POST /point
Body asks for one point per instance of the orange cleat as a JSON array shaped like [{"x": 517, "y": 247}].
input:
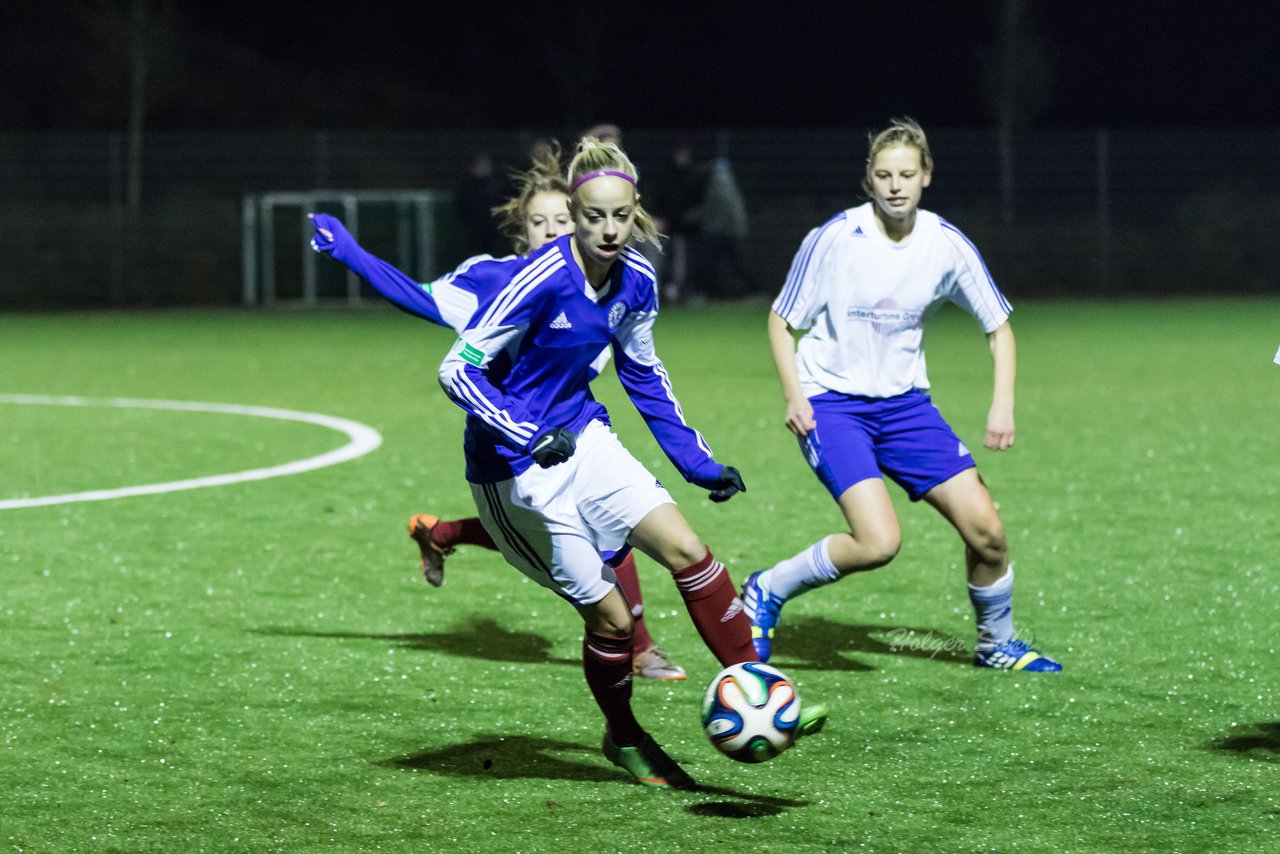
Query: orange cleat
[{"x": 433, "y": 555}]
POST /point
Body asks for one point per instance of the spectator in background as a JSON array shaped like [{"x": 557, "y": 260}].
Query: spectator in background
[
  {"x": 605, "y": 132},
  {"x": 724, "y": 229},
  {"x": 677, "y": 206},
  {"x": 474, "y": 198}
]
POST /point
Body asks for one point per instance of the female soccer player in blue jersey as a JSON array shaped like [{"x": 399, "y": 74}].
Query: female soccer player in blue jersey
[
  {"x": 553, "y": 484},
  {"x": 535, "y": 215},
  {"x": 857, "y": 395}
]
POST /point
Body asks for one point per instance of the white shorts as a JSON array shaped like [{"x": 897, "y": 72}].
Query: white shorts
[{"x": 558, "y": 525}]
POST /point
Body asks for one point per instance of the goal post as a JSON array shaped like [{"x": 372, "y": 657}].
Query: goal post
[{"x": 416, "y": 232}]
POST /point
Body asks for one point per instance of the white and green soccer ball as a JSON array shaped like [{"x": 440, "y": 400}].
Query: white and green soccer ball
[{"x": 751, "y": 711}]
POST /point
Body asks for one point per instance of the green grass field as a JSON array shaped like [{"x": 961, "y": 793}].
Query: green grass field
[{"x": 260, "y": 667}]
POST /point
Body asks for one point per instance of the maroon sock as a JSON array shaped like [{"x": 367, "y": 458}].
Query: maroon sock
[
  {"x": 607, "y": 664},
  {"x": 716, "y": 610},
  {"x": 629, "y": 581},
  {"x": 462, "y": 532}
]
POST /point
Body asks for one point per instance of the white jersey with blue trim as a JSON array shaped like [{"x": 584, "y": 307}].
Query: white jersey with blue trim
[
  {"x": 864, "y": 299},
  {"x": 524, "y": 362}
]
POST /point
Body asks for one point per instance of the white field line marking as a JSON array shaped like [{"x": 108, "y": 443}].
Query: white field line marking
[{"x": 364, "y": 439}]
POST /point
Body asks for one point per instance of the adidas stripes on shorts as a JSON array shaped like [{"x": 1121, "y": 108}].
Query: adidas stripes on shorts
[
  {"x": 905, "y": 437},
  {"x": 557, "y": 525}
]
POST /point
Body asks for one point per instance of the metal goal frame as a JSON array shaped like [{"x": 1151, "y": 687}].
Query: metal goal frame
[{"x": 415, "y": 236}]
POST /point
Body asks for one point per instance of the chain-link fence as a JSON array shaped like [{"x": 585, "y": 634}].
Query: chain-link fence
[{"x": 1097, "y": 213}]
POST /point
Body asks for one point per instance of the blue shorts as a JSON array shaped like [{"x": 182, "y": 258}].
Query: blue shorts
[{"x": 905, "y": 437}]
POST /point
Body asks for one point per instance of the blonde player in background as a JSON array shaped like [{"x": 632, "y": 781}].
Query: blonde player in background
[{"x": 856, "y": 390}]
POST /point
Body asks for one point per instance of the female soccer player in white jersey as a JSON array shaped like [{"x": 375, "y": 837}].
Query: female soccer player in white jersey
[
  {"x": 553, "y": 484},
  {"x": 857, "y": 396},
  {"x": 537, "y": 214}
]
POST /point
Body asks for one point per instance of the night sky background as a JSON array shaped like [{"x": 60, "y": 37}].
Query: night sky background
[{"x": 376, "y": 65}]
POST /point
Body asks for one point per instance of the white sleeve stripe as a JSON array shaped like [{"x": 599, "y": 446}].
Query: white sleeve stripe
[
  {"x": 638, "y": 256},
  {"x": 800, "y": 268},
  {"x": 519, "y": 287},
  {"x": 1000, "y": 299},
  {"x": 468, "y": 264},
  {"x": 647, "y": 272},
  {"x": 499, "y": 419},
  {"x": 675, "y": 404}
]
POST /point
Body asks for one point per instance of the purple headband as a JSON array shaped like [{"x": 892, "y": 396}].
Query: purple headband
[{"x": 598, "y": 173}]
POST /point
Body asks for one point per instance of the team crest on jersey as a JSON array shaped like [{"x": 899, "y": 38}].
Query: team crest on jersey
[{"x": 616, "y": 312}]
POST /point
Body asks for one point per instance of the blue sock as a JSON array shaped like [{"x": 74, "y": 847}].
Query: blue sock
[{"x": 993, "y": 609}]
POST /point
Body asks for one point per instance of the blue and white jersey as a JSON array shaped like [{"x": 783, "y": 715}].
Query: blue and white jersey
[
  {"x": 449, "y": 301},
  {"x": 523, "y": 364},
  {"x": 864, "y": 300}
]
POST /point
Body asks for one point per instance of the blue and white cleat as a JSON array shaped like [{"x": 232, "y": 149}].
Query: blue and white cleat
[
  {"x": 1014, "y": 654},
  {"x": 763, "y": 610}
]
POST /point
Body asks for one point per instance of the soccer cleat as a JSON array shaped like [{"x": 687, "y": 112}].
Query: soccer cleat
[
  {"x": 763, "y": 610},
  {"x": 648, "y": 764},
  {"x": 1014, "y": 654},
  {"x": 433, "y": 555},
  {"x": 652, "y": 663},
  {"x": 812, "y": 720}
]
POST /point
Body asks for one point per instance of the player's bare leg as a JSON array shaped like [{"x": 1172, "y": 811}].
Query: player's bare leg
[
  {"x": 965, "y": 502},
  {"x": 873, "y": 540},
  {"x": 704, "y": 584}
]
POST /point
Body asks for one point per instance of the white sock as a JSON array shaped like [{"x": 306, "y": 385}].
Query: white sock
[
  {"x": 809, "y": 569},
  {"x": 993, "y": 609}
]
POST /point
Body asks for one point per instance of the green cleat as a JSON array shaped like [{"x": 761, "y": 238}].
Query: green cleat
[
  {"x": 812, "y": 720},
  {"x": 648, "y": 764}
]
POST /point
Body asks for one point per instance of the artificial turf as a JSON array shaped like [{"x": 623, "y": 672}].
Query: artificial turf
[{"x": 260, "y": 667}]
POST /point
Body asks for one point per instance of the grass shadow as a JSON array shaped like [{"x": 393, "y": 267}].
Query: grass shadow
[
  {"x": 818, "y": 643},
  {"x": 522, "y": 757},
  {"x": 477, "y": 637},
  {"x": 513, "y": 757},
  {"x": 1262, "y": 743},
  {"x": 746, "y": 806}
]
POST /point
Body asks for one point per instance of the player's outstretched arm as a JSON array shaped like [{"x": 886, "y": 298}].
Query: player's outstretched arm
[
  {"x": 399, "y": 288},
  {"x": 1000, "y": 427}
]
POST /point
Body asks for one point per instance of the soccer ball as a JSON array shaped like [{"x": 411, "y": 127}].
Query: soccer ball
[{"x": 750, "y": 712}]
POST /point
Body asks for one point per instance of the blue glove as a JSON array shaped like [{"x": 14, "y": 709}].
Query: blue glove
[
  {"x": 552, "y": 447},
  {"x": 331, "y": 236},
  {"x": 727, "y": 485}
]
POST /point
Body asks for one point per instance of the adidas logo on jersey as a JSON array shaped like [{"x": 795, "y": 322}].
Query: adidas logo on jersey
[
  {"x": 962, "y": 451},
  {"x": 561, "y": 322},
  {"x": 858, "y": 232}
]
